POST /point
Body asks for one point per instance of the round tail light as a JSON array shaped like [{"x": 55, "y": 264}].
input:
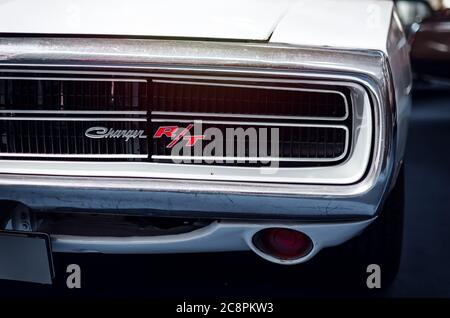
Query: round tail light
[{"x": 283, "y": 243}]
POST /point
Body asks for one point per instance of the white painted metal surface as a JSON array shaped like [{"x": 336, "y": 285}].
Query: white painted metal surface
[
  {"x": 217, "y": 237},
  {"x": 362, "y": 24},
  {"x": 354, "y": 24},
  {"x": 233, "y": 19}
]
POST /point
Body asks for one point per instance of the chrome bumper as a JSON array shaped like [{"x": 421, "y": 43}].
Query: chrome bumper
[{"x": 182, "y": 198}]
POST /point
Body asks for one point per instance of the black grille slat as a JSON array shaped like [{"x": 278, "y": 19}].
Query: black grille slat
[
  {"x": 59, "y": 137},
  {"x": 21, "y": 94},
  {"x": 174, "y": 97}
]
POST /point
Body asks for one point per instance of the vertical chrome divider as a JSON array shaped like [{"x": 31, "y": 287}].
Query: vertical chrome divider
[{"x": 149, "y": 108}]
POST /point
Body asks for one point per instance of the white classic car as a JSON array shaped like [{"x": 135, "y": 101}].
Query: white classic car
[{"x": 171, "y": 126}]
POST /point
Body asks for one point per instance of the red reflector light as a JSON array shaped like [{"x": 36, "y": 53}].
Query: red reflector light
[{"x": 283, "y": 243}]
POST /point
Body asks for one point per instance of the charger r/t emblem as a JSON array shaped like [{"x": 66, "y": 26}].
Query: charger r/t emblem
[{"x": 176, "y": 133}]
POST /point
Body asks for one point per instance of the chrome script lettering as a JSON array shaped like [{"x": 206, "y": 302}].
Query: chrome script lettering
[{"x": 103, "y": 132}]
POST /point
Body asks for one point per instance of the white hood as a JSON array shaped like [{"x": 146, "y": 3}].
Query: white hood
[
  {"x": 361, "y": 24},
  {"x": 225, "y": 19}
]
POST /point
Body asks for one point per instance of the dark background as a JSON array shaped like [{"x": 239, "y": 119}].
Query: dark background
[{"x": 425, "y": 267}]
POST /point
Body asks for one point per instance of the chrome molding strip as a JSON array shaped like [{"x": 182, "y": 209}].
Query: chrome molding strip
[
  {"x": 75, "y": 156},
  {"x": 75, "y": 119},
  {"x": 70, "y": 79},
  {"x": 225, "y": 115},
  {"x": 262, "y": 87},
  {"x": 245, "y": 123},
  {"x": 247, "y": 159},
  {"x": 73, "y": 112},
  {"x": 145, "y": 54},
  {"x": 236, "y": 75}
]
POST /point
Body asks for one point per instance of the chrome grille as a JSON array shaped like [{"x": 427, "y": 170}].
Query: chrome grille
[
  {"x": 313, "y": 125},
  {"x": 297, "y": 143},
  {"x": 94, "y": 94},
  {"x": 47, "y": 117},
  {"x": 239, "y": 99}
]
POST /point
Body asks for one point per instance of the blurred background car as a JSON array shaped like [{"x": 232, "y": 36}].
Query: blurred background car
[{"x": 427, "y": 24}]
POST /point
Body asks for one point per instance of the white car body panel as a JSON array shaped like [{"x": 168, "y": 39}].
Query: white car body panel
[
  {"x": 218, "y": 236},
  {"x": 361, "y": 24},
  {"x": 230, "y": 19},
  {"x": 353, "y": 24}
]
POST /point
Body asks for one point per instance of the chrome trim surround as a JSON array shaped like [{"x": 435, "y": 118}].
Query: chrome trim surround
[
  {"x": 216, "y": 237},
  {"x": 349, "y": 171},
  {"x": 368, "y": 71}
]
